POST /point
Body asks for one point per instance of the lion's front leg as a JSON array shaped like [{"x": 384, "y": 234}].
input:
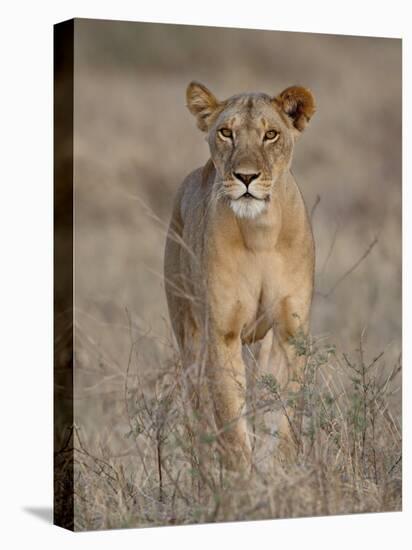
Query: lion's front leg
[
  {"x": 271, "y": 376},
  {"x": 227, "y": 385},
  {"x": 293, "y": 326}
]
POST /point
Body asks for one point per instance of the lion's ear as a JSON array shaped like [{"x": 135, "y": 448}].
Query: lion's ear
[
  {"x": 298, "y": 104},
  {"x": 202, "y": 104}
]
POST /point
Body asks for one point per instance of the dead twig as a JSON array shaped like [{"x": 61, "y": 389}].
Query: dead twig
[
  {"x": 350, "y": 270},
  {"x": 331, "y": 247},
  {"x": 391, "y": 469},
  {"x": 315, "y": 205}
]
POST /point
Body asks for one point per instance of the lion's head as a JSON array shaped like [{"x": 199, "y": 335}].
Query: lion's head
[{"x": 251, "y": 138}]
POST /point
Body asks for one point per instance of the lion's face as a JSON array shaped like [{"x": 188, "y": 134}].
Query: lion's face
[
  {"x": 251, "y": 139},
  {"x": 250, "y": 146}
]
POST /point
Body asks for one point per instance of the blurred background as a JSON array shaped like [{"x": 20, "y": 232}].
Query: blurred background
[{"x": 135, "y": 141}]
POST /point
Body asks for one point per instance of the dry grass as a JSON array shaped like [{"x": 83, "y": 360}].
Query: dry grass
[{"x": 348, "y": 458}]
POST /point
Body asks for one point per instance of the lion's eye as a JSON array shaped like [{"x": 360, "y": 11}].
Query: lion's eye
[
  {"x": 225, "y": 132},
  {"x": 271, "y": 135}
]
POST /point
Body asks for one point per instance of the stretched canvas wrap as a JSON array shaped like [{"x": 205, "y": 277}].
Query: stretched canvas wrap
[{"x": 227, "y": 348}]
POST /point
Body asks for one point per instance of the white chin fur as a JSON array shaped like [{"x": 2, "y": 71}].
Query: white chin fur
[{"x": 247, "y": 208}]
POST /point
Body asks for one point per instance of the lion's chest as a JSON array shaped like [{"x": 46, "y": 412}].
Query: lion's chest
[
  {"x": 261, "y": 304},
  {"x": 245, "y": 294}
]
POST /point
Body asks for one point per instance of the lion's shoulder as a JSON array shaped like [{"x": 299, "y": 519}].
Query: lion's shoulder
[{"x": 195, "y": 189}]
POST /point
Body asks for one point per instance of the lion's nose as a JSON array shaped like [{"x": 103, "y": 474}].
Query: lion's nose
[{"x": 246, "y": 178}]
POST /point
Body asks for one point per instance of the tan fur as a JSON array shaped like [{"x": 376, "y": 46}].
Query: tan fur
[{"x": 240, "y": 269}]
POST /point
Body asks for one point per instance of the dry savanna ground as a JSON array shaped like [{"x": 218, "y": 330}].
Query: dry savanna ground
[{"x": 141, "y": 457}]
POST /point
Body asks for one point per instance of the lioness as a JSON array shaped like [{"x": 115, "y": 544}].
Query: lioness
[{"x": 239, "y": 259}]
